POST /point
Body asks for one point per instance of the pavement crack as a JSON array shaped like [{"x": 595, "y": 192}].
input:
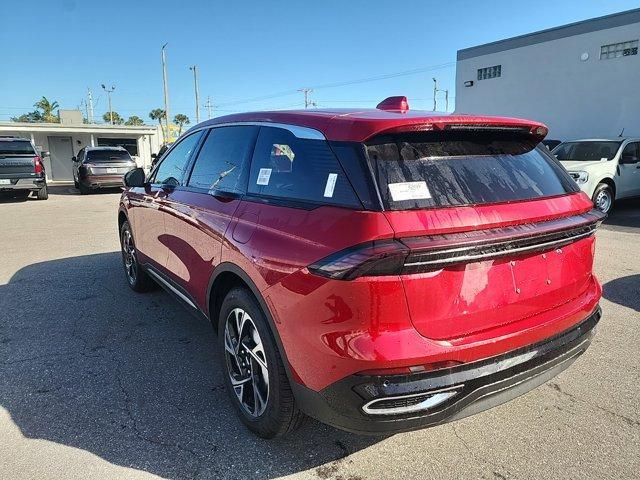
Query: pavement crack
[
  {"x": 151, "y": 439},
  {"x": 628, "y": 420},
  {"x": 499, "y": 471}
]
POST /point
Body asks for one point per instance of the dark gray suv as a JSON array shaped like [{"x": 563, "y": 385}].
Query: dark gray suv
[
  {"x": 97, "y": 167},
  {"x": 21, "y": 168}
]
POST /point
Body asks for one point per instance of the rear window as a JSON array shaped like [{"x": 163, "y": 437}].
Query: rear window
[
  {"x": 107, "y": 156},
  {"x": 422, "y": 170},
  {"x": 291, "y": 168},
  {"x": 16, "y": 147},
  {"x": 586, "y": 151}
]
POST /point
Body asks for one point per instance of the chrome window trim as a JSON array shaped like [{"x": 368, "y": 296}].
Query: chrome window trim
[{"x": 298, "y": 131}]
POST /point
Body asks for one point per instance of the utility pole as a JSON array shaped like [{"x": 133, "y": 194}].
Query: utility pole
[
  {"x": 166, "y": 90},
  {"x": 435, "y": 91},
  {"x": 109, "y": 92},
  {"x": 306, "y": 92},
  {"x": 89, "y": 106},
  {"x": 208, "y": 105},
  {"x": 195, "y": 84},
  {"x": 446, "y": 100}
]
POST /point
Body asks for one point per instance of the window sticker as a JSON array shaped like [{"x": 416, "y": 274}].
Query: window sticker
[
  {"x": 331, "y": 185},
  {"x": 409, "y": 191},
  {"x": 263, "y": 176}
]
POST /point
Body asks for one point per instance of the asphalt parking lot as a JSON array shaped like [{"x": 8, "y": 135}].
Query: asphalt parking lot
[{"x": 99, "y": 382}]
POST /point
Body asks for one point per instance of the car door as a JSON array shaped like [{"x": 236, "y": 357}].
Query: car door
[
  {"x": 149, "y": 201},
  {"x": 629, "y": 171},
  {"x": 76, "y": 162},
  {"x": 199, "y": 212}
]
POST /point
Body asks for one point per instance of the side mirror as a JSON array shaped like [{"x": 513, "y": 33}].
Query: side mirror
[
  {"x": 625, "y": 159},
  {"x": 154, "y": 156},
  {"x": 44, "y": 153},
  {"x": 134, "y": 178},
  {"x": 74, "y": 159}
]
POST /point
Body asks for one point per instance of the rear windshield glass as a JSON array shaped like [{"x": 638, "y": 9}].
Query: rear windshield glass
[
  {"x": 16, "y": 147},
  {"x": 422, "y": 170},
  {"x": 586, "y": 151},
  {"x": 107, "y": 156}
]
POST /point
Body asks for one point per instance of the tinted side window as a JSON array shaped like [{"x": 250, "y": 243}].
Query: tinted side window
[
  {"x": 631, "y": 150},
  {"x": 223, "y": 161},
  {"x": 288, "y": 167},
  {"x": 171, "y": 169}
]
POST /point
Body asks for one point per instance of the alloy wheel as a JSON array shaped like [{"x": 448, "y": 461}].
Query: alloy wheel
[
  {"x": 246, "y": 362},
  {"x": 129, "y": 256}
]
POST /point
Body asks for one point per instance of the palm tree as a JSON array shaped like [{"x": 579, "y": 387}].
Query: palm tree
[
  {"x": 48, "y": 108},
  {"x": 117, "y": 119},
  {"x": 158, "y": 114},
  {"x": 134, "y": 120},
  {"x": 181, "y": 120}
]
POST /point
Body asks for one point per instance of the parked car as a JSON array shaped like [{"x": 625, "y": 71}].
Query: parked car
[
  {"x": 606, "y": 170},
  {"x": 21, "y": 168},
  {"x": 380, "y": 270},
  {"x": 99, "y": 167},
  {"x": 551, "y": 144}
]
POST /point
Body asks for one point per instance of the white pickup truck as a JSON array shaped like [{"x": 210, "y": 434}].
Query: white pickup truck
[{"x": 605, "y": 169}]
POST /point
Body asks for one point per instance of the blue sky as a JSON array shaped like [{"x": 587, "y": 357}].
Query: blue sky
[{"x": 253, "y": 49}]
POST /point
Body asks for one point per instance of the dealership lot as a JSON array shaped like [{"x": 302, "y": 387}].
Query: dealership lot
[{"x": 99, "y": 382}]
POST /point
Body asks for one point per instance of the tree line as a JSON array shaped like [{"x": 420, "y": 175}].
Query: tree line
[{"x": 47, "y": 111}]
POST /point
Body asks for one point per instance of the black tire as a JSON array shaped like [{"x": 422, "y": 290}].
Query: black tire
[
  {"x": 84, "y": 190},
  {"x": 281, "y": 415},
  {"x": 137, "y": 278},
  {"x": 76, "y": 184},
  {"x": 43, "y": 193},
  {"x": 603, "y": 198}
]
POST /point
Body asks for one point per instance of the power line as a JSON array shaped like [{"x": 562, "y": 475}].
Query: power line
[{"x": 341, "y": 84}]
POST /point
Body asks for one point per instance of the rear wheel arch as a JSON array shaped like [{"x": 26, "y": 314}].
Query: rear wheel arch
[{"x": 228, "y": 276}]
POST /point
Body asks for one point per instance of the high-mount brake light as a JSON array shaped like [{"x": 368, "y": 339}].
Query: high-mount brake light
[
  {"x": 434, "y": 252},
  {"x": 397, "y": 104}
]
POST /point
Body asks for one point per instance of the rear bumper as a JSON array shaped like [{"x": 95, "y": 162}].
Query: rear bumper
[
  {"x": 98, "y": 181},
  {"x": 33, "y": 183},
  {"x": 477, "y": 386}
]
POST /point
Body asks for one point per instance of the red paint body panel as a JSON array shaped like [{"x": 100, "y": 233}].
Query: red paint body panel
[{"x": 358, "y": 126}]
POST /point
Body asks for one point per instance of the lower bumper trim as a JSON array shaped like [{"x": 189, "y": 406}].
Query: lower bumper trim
[{"x": 478, "y": 386}]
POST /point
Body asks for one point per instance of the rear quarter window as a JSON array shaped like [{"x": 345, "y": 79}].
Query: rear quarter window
[
  {"x": 291, "y": 168},
  {"x": 439, "y": 170}
]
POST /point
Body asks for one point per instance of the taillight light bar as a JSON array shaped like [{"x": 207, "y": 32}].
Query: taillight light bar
[
  {"x": 434, "y": 252},
  {"x": 37, "y": 164}
]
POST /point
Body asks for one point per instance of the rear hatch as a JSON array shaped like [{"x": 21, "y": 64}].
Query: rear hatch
[
  {"x": 496, "y": 230},
  {"x": 17, "y": 159},
  {"x": 108, "y": 162}
]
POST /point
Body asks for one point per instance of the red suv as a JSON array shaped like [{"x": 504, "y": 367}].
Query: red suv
[{"x": 380, "y": 270}]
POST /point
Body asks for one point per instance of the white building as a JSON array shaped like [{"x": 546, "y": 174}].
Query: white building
[
  {"x": 63, "y": 141},
  {"x": 581, "y": 80}
]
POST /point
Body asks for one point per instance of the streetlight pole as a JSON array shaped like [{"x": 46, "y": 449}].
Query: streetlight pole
[
  {"x": 195, "y": 84},
  {"x": 435, "y": 91},
  {"x": 166, "y": 90},
  {"x": 109, "y": 92}
]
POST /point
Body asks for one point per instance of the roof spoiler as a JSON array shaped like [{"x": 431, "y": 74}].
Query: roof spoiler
[{"x": 537, "y": 130}]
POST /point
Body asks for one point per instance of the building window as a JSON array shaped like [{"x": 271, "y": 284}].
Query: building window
[
  {"x": 490, "y": 72},
  {"x": 130, "y": 144},
  {"x": 616, "y": 50}
]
